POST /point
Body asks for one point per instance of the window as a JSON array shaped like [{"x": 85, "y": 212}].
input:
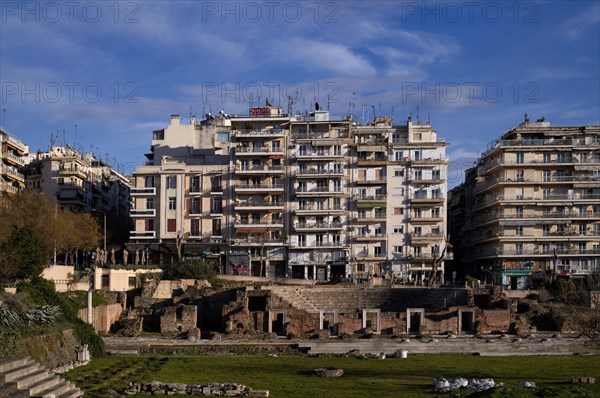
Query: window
[
  {"x": 436, "y": 175},
  {"x": 520, "y": 175},
  {"x": 195, "y": 184},
  {"x": 216, "y": 227},
  {"x": 519, "y": 231},
  {"x": 519, "y": 248},
  {"x": 399, "y": 173},
  {"x": 398, "y": 191},
  {"x": 417, "y": 155},
  {"x": 172, "y": 203},
  {"x": 216, "y": 205},
  {"x": 378, "y": 251},
  {"x": 319, "y": 240},
  {"x": 337, "y": 150},
  {"x": 398, "y": 211},
  {"x": 547, "y": 157},
  {"x": 171, "y": 225},
  {"x": 223, "y": 137},
  {"x": 398, "y": 230},
  {"x": 418, "y": 231},
  {"x": 149, "y": 181},
  {"x": 195, "y": 227},
  {"x": 546, "y": 175},
  {"x": 171, "y": 182},
  {"x": 418, "y": 174},
  {"x": 397, "y": 249},
  {"x": 301, "y": 240},
  {"x": 435, "y": 213},
  {"x": 215, "y": 184},
  {"x": 398, "y": 155},
  {"x": 520, "y": 158},
  {"x": 149, "y": 203},
  {"x": 195, "y": 206},
  {"x": 545, "y": 229},
  {"x": 149, "y": 224},
  {"x": 417, "y": 136}
]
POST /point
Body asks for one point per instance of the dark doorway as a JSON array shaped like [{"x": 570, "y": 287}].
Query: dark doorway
[
  {"x": 466, "y": 322},
  {"x": 415, "y": 322},
  {"x": 513, "y": 282},
  {"x": 277, "y": 325}
]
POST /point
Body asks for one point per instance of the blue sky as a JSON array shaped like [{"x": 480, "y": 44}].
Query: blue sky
[{"x": 117, "y": 70}]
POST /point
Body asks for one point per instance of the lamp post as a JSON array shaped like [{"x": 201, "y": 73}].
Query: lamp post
[{"x": 104, "y": 213}]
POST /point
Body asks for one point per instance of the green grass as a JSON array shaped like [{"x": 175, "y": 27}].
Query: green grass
[{"x": 289, "y": 377}]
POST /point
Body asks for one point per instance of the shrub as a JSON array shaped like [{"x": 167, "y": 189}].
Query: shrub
[{"x": 188, "y": 270}]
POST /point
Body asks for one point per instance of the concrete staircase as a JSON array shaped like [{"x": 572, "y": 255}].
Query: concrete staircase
[
  {"x": 295, "y": 297},
  {"x": 23, "y": 377}
]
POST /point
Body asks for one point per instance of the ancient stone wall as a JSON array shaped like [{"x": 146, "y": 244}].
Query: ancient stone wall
[
  {"x": 179, "y": 318},
  {"x": 103, "y": 316},
  {"x": 488, "y": 321}
]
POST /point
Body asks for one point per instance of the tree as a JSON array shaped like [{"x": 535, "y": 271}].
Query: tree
[
  {"x": 584, "y": 309},
  {"x": 24, "y": 255},
  {"x": 188, "y": 270}
]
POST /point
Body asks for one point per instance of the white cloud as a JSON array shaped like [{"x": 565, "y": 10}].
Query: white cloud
[{"x": 575, "y": 27}]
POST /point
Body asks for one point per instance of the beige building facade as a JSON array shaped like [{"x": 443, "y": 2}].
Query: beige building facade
[
  {"x": 536, "y": 204},
  {"x": 303, "y": 196},
  {"x": 12, "y": 152}
]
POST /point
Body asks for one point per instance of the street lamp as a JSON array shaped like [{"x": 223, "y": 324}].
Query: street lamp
[{"x": 104, "y": 213}]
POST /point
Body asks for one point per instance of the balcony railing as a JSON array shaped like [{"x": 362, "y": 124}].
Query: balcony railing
[
  {"x": 259, "y": 204},
  {"x": 140, "y": 191},
  {"x": 316, "y": 171},
  {"x": 142, "y": 234},
  {"x": 258, "y": 186},
  {"x": 376, "y": 198},
  {"x": 318, "y": 190},
  {"x": 143, "y": 213},
  {"x": 258, "y": 169},
  {"x": 321, "y": 225},
  {"x": 260, "y": 149},
  {"x": 258, "y": 133}
]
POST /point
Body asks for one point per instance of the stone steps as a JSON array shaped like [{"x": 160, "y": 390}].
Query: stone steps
[{"x": 23, "y": 377}]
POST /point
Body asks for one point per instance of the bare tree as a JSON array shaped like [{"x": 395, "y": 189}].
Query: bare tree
[
  {"x": 584, "y": 309},
  {"x": 437, "y": 258}
]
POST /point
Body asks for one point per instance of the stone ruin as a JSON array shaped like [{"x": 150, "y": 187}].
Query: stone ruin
[
  {"x": 206, "y": 389},
  {"x": 268, "y": 311}
]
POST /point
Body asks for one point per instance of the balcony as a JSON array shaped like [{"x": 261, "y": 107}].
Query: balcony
[
  {"x": 260, "y": 169},
  {"x": 318, "y": 226},
  {"x": 378, "y": 181},
  {"x": 143, "y": 191},
  {"x": 73, "y": 172},
  {"x": 6, "y": 187},
  {"x": 259, "y": 151},
  {"x": 142, "y": 234},
  {"x": 12, "y": 173},
  {"x": 370, "y": 237},
  {"x": 318, "y": 210},
  {"x": 318, "y": 155},
  {"x": 142, "y": 212},
  {"x": 426, "y": 238},
  {"x": 13, "y": 159},
  {"x": 425, "y": 181},
  {"x": 250, "y": 225},
  {"x": 317, "y": 191},
  {"x": 13, "y": 142},
  {"x": 253, "y": 188},
  {"x": 372, "y": 161},
  {"x": 424, "y": 200},
  {"x": 259, "y": 205},
  {"x": 425, "y": 219},
  {"x": 312, "y": 172},
  {"x": 248, "y": 133},
  {"x": 373, "y": 217}
]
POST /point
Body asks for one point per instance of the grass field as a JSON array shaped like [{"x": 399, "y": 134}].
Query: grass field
[{"x": 288, "y": 376}]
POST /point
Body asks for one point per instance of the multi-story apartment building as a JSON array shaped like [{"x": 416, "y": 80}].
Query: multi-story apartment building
[
  {"x": 399, "y": 186},
  {"x": 536, "y": 204},
  {"x": 319, "y": 161},
  {"x": 79, "y": 182},
  {"x": 12, "y": 151},
  {"x": 301, "y": 196}
]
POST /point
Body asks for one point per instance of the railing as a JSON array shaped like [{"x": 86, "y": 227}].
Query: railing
[
  {"x": 244, "y": 169},
  {"x": 258, "y": 133},
  {"x": 142, "y": 234},
  {"x": 371, "y": 197},
  {"x": 143, "y": 191},
  {"x": 10, "y": 138},
  {"x": 318, "y": 208},
  {"x": 258, "y": 149},
  {"x": 321, "y": 225},
  {"x": 143, "y": 212},
  {"x": 535, "y": 252},
  {"x": 15, "y": 158},
  {"x": 259, "y": 204},
  {"x": 318, "y": 190},
  {"x": 540, "y": 142},
  {"x": 12, "y": 171},
  {"x": 306, "y": 154},
  {"x": 259, "y": 222},
  {"x": 4, "y": 186},
  {"x": 261, "y": 186},
  {"x": 314, "y": 171}
]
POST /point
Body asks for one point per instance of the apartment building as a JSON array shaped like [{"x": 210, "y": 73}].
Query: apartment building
[
  {"x": 536, "y": 204},
  {"x": 78, "y": 181},
  {"x": 319, "y": 172},
  {"x": 180, "y": 195},
  {"x": 298, "y": 196},
  {"x": 12, "y": 150}
]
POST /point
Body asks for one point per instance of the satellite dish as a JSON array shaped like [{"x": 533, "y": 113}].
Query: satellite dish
[{"x": 316, "y": 106}]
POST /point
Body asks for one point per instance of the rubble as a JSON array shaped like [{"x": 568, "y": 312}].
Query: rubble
[
  {"x": 443, "y": 385},
  {"x": 207, "y": 389}
]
